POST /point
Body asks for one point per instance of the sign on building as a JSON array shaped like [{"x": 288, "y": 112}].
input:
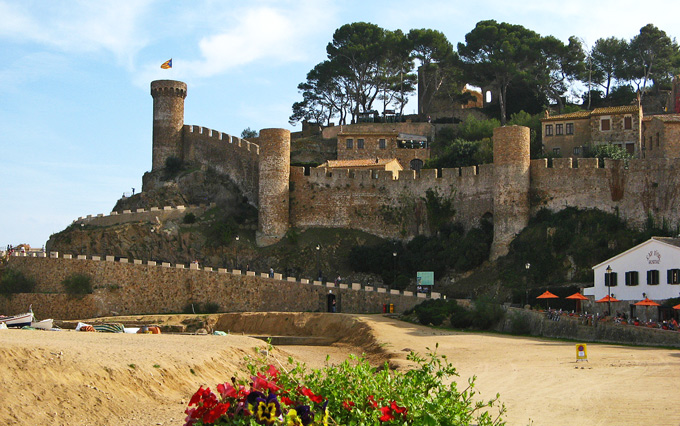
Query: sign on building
[{"x": 424, "y": 281}]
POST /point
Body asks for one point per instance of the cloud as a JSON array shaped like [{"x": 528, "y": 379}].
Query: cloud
[
  {"x": 82, "y": 26},
  {"x": 273, "y": 32}
]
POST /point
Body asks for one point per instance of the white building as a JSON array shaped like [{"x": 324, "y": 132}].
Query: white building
[{"x": 650, "y": 269}]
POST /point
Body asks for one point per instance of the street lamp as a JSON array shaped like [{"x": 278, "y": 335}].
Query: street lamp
[
  {"x": 394, "y": 267},
  {"x": 318, "y": 253},
  {"x": 236, "y": 254},
  {"x": 608, "y": 282},
  {"x": 527, "y": 266}
]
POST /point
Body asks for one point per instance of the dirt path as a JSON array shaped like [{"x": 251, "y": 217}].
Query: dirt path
[{"x": 72, "y": 378}]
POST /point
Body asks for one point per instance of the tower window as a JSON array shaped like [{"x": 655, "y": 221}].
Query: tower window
[{"x": 350, "y": 143}]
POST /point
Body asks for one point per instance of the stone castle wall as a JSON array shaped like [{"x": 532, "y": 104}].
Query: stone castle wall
[
  {"x": 384, "y": 204},
  {"x": 228, "y": 154},
  {"x": 128, "y": 287},
  {"x": 633, "y": 190},
  {"x": 423, "y": 129}
]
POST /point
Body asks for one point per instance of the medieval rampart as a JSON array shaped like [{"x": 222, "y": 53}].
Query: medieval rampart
[
  {"x": 228, "y": 154},
  {"x": 378, "y": 202},
  {"x": 129, "y": 287},
  {"x": 635, "y": 190},
  {"x": 153, "y": 214}
]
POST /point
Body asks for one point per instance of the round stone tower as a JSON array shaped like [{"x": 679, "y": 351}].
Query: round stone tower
[
  {"x": 168, "y": 119},
  {"x": 511, "y": 208},
  {"x": 273, "y": 192}
]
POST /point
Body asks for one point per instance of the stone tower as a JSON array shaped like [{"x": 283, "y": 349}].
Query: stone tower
[
  {"x": 168, "y": 119},
  {"x": 273, "y": 192},
  {"x": 511, "y": 208}
]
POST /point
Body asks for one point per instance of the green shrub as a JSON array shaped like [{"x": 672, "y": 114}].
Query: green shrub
[
  {"x": 77, "y": 284},
  {"x": 14, "y": 282},
  {"x": 519, "y": 324},
  {"x": 173, "y": 166},
  {"x": 189, "y": 218},
  {"x": 486, "y": 313},
  {"x": 434, "y": 311},
  {"x": 211, "y": 308},
  {"x": 460, "y": 317}
]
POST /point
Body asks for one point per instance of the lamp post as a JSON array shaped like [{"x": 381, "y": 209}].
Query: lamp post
[
  {"x": 394, "y": 267},
  {"x": 318, "y": 253},
  {"x": 527, "y": 266},
  {"x": 608, "y": 283},
  {"x": 236, "y": 253}
]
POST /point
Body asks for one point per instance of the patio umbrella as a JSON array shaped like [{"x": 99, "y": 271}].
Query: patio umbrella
[
  {"x": 676, "y": 307},
  {"x": 647, "y": 302},
  {"x": 577, "y": 297},
  {"x": 607, "y": 299},
  {"x": 547, "y": 295}
]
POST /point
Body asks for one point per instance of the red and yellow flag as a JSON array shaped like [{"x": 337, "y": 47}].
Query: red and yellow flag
[{"x": 167, "y": 64}]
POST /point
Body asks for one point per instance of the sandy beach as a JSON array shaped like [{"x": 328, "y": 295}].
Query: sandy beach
[{"x": 75, "y": 378}]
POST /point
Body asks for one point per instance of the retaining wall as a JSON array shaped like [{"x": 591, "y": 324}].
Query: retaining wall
[{"x": 129, "y": 287}]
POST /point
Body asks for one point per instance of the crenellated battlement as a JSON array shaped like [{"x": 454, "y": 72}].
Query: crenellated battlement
[
  {"x": 141, "y": 215},
  {"x": 169, "y": 88},
  {"x": 220, "y": 137}
]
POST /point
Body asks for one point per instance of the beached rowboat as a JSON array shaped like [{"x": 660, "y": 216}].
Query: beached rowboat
[
  {"x": 45, "y": 324},
  {"x": 19, "y": 320}
]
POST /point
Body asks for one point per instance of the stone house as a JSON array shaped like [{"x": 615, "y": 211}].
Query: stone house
[
  {"x": 410, "y": 150},
  {"x": 567, "y": 135},
  {"x": 661, "y": 136}
]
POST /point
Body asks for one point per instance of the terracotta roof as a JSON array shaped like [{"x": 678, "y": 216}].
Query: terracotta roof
[
  {"x": 348, "y": 164},
  {"x": 625, "y": 109},
  {"x": 616, "y": 110},
  {"x": 570, "y": 116}
]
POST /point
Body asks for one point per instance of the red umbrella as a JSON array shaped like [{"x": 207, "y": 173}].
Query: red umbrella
[
  {"x": 577, "y": 297},
  {"x": 607, "y": 299},
  {"x": 647, "y": 302}
]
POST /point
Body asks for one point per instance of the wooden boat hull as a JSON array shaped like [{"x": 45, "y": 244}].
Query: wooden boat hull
[
  {"x": 45, "y": 324},
  {"x": 18, "y": 320}
]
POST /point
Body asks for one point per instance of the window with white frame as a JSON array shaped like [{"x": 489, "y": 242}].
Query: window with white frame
[
  {"x": 559, "y": 129},
  {"x": 548, "y": 130},
  {"x": 569, "y": 128}
]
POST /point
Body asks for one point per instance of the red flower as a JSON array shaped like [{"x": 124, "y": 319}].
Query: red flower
[
  {"x": 372, "y": 401},
  {"x": 213, "y": 415},
  {"x": 273, "y": 372},
  {"x": 261, "y": 383},
  {"x": 348, "y": 404},
  {"x": 309, "y": 394},
  {"x": 229, "y": 391},
  {"x": 386, "y": 414},
  {"x": 287, "y": 400},
  {"x": 397, "y": 409}
]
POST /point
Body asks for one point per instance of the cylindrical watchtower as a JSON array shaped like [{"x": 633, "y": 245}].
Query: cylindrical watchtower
[
  {"x": 511, "y": 207},
  {"x": 168, "y": 119},
  {"x": 273, "y": 193}
]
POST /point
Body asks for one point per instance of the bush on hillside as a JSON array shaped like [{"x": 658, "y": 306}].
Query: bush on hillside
[
  {"x": 77, "y": 284},
  {"x": 14, "y": 282}
]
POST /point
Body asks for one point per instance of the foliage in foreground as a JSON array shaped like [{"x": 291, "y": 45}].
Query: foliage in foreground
[{"x": 352, "y": 393}]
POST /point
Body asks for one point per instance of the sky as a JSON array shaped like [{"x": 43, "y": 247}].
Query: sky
[{"x": 75, "y": 103}]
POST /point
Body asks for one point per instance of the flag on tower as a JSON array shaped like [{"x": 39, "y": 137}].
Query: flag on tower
[{"x": 167, "y": 64}]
